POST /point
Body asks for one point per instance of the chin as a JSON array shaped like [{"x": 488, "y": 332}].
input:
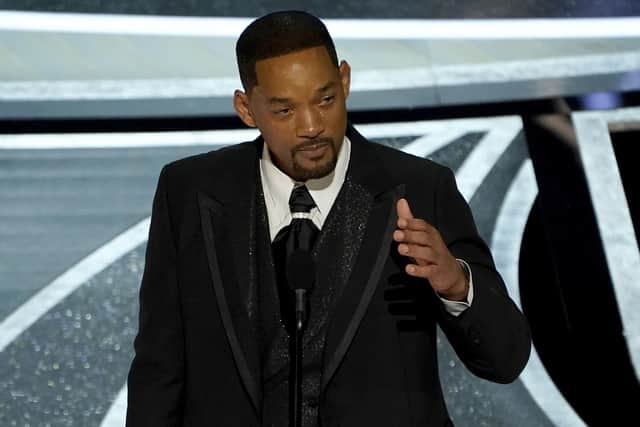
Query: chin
[{"x": 318, "y": 171}]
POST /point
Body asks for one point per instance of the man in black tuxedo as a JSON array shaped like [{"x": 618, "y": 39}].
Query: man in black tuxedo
[{"x": 396, "y": 251}]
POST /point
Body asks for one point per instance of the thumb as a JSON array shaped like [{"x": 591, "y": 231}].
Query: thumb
[{"x": 404, "y": 211}]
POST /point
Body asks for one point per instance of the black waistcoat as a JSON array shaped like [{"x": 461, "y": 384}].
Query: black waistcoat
[{"x": 335, "y": 252}]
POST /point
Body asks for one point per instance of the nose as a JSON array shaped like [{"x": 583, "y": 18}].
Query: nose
[{"x": 310, "y": 123}]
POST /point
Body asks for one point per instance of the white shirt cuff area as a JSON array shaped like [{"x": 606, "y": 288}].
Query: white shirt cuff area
[{"x": 455, "y": 308}]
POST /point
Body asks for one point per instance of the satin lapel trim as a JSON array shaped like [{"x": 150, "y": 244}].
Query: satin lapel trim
[
  {"x": 208, "y": 209},
  {"x": 383, "y": 201}
]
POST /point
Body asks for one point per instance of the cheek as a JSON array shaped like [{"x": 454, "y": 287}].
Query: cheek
[
  {"x": 336, "y": 121},
  {"x": 337, "y": 113},
  {"x": 276, "y": 131},
  {"x": 270, "y": 128},
  {"x": 279, "y": 138}
]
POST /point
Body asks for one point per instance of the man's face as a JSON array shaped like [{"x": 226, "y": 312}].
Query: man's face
[{"x": 299, "y": 105}]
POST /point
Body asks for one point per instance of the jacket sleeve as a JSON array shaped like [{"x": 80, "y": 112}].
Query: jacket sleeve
[
  {"x": 156, "y": 377},
  {"x": 492, "y": 336}
]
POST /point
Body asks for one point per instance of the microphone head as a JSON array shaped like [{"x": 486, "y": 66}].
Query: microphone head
[{"x": 301, "y": 270}]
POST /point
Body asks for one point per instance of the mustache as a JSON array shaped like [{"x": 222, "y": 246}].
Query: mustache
[{"x": 306, "y": 144}]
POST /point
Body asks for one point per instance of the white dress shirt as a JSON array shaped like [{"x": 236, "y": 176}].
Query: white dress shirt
[{"x": 277, "y": 187}]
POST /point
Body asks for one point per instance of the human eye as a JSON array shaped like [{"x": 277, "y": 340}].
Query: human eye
[
  {"x": 327, "y": 99},
  {"x": 284, "y": 111}
]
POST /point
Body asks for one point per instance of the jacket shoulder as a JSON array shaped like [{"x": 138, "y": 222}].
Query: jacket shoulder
[
  {"x": 208, "y": 168},
  {"x": 212, "y": 162}
]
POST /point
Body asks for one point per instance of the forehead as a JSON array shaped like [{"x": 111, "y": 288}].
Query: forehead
[{"x": 304, "y": 70}]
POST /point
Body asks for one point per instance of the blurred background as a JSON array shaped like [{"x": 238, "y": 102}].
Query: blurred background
[{"x": 535, "y": 105}]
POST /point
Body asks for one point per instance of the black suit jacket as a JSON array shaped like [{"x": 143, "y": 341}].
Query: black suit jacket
[{"x": 195, "y": 364}]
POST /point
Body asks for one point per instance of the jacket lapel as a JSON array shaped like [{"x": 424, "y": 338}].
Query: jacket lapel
[
  {"x": 228, "y": 226},
  {"x": 228, "y": 229},
  {"x": 365, "y": 170}
]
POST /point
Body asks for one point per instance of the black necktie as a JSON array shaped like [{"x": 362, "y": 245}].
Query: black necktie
[{"x": 300, "y": 234}]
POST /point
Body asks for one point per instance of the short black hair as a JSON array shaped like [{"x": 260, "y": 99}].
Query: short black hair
[{"x": 277, "y": 34}]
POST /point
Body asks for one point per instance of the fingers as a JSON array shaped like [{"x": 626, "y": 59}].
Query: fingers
[
  {"x": 416, "y": 238},
  {"x": 423, "y": 271},
  {"x": 427, "y": 253},
  {"x": 404, "y": 211},
  {"x": 406, "y": 220},
  {"x": 422, "y": 255},
  {"x": 414, "y": 224},
  {"x": 412, "y": 237}
]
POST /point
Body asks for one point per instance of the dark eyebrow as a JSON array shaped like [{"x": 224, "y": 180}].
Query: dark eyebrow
[
  {"x": 279, "y": 101},
  {"x": 328, "y": 86}
]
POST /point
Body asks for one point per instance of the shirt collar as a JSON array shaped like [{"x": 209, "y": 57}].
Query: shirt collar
[{"x": 277, "y": 187}]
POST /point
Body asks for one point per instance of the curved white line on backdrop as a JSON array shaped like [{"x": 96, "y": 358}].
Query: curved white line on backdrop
[
  {"x": 507, "y": 237},
  {"x": 29, "y": 312},
  {"x": 447, "y": 29},
  {"x": 613, "y": 215},
  {"x": 483, "y": 158},
  {"x": 505, "y": 246},
  {"x": 424, "y": 127},
  {"x": 432, "y": 142},
  {"x": 116, "y": 417}
]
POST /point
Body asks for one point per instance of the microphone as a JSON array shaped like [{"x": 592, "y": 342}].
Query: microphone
[{"x": 301, "y": 273}]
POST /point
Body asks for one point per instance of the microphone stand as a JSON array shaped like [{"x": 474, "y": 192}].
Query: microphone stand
[
  {"x": 296, "y": 364},
  {"x": 300, "y": 276}
]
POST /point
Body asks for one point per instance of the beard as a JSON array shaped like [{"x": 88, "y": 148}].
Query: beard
[{"x": 322, "y": 167}]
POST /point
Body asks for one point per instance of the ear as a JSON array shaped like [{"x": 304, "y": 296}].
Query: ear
[
  {"x": 241, "y": 105},
  {"x": 345, "y": 77}
]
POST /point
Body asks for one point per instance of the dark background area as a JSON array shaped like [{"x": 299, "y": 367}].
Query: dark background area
[{"x": 439, "y": 9}]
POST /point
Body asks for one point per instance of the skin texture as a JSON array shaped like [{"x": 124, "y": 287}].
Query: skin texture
[{"x": 299, "y": 106}]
